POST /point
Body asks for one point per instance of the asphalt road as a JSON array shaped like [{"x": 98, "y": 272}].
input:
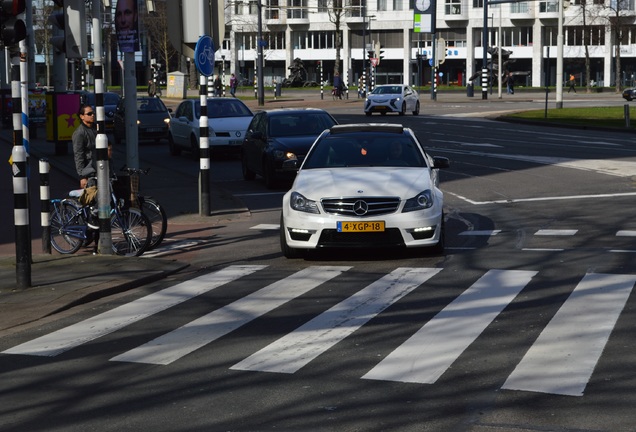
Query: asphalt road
[{"x": 525, "y": 324}]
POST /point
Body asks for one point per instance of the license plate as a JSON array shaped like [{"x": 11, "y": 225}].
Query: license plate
[
  {"x": 368, "y": 226},
  {"x": 235, "y": 142},
  {"x": 151, "y": 130}
]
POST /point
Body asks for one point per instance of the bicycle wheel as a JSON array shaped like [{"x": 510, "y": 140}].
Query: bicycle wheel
[
  {"x": 158, "y": 219},
  {"x": 130, "y": 232},
  {"x": 67, "y": 227}
]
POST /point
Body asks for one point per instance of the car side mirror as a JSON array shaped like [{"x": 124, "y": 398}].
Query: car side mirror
[{"x": 440, "y": 162}]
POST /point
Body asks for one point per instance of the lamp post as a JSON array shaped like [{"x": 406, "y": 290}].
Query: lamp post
[{"x": 259, "y": 56}]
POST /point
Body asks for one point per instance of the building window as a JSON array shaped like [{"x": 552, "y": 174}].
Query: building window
[
  {"x": 453, "y": 7},
  {"x": 323, "y": 6},
  {"x": 521, "y": 7},
  {"x": 478, "y": 4},
  {"x": 297, "y": 9},
  {"x": 549, "y": 6},
  {"x": 354, "y": 8},
  {"x": 381, "y": 5}
]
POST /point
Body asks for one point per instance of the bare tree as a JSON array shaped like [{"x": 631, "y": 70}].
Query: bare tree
[
  {"x": 336, "y": 16},
  {"x": 156, "y": 26},
  {"x": 42, "y": 32}
]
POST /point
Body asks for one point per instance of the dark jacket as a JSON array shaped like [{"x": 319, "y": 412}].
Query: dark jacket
[{"x": 84, "y": 151}]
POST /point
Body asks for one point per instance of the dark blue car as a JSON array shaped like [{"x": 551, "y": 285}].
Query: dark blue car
[{"x": 279, "y": 135}]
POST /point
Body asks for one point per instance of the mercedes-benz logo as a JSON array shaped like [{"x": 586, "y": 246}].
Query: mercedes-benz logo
[{"x": 360, "y": 208}]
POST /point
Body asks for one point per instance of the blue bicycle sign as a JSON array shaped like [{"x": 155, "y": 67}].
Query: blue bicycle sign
[{"x": 204, "y": 55}]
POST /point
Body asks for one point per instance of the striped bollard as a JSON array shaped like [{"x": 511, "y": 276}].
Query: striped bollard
[
  {"x": 45, "y": 205},
  {"x": 484, "y": 83}
]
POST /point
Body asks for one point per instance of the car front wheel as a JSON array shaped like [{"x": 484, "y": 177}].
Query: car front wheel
[
  {"x": 417, "y": 108},
  {"x": 248, "y": 174},
  {"x": 174, "y": 150}
]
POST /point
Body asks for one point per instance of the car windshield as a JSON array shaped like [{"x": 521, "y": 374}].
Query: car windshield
[
  {"x": 364, "y": 150},
  {"x": 299, "y": 124},
  {"x": 387, "y": 90},
  {"x": 150, "y": 105},
  {"x": 224, "y": 108}
]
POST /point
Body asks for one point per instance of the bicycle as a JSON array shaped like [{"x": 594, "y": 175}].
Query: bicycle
[
  {"x": 131, "y": 230},
  {"x": 148, "y": 206}
]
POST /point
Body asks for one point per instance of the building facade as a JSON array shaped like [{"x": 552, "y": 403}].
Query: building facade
[{"x": 304, "y": 29}]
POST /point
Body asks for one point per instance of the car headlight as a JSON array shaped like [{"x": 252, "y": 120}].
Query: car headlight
[
  {"x": 300, "y": 203},
  {"x": 421, "y": 201},
  {"x": 284, "y": 155}
]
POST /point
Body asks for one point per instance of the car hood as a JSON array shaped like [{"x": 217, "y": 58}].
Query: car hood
[
  {"x": 298, "y": 144},
  {"x": 365, "y": 181},
  {"x": 384, "y": 96},
  {"x": 229, "y": 124}
]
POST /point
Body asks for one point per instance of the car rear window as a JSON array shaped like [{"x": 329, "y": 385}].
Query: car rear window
[
  {"x": 285, "y": 125},
  {"x": 347, "y": 150}
]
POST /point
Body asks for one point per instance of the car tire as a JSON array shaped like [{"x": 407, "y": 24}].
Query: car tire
[
  {"x": 417, "y": 108},
  {"x": 174, "y": 150},
  {"x": 268, "y": 175},
  {"x": 194, "y": 147},
  {"x": 288, "y": 252},
  {"x": 248, "y": 174},
  {"x": 403, "y": 110}
]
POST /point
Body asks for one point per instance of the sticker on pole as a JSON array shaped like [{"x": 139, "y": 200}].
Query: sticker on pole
[{"x": 204, "y": 55}]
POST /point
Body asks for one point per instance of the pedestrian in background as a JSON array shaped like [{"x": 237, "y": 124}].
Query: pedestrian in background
[
  {"x": 337, "y": 85},
  {"x": 511, "y": 84},
  {"x": 571, "y": 83},
  {"x": 233, "y": 85},
  {"x": 152, "y": 88},
  {"x": 217, "y": 86}
]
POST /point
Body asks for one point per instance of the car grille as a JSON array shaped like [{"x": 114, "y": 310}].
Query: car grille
[
  {"x": 361, "y": 207},
  {"x": 332, "y": 238}
]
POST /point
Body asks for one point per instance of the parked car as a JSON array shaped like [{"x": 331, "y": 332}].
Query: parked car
[
  {"x": 111, "y": 100},
  {"x": 364, "y": 185},
  {"x": 153, "y": 118},
  {"x": 228, "y": 119},
  {"x": 278, "y": 135},
  {"x": 398, "y": 98},
  {"x": 629, "y": 94}
]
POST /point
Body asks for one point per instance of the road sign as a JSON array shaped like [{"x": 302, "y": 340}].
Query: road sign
[
  {"x": 374, "y": 61},
  {"x": 204, "y": 55}
]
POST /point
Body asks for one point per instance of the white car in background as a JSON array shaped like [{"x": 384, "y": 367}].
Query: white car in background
[
  {"x": 364, "y": 186},
  {"x": 398, "y": 98},
  {"x": 228, "y": 119}
]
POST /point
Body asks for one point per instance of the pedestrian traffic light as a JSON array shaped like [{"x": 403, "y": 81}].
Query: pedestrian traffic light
[
  {"x": 370, "y": 53},
  {"x": 70, "y": 26},
  {"x": 379, "y": 52},
  {"x": 13, "y": 26}
]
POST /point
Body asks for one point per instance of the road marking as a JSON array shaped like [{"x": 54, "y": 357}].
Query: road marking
[
  {"x": 425, "y": 356},
  {"x": 296, "y": 349},
  {"x": 555, "y": 198},
  {"x": 555, "y": 232},
  {"x": 108, "y": 322},
  {"x": 563, "y": 357},
  {"x": 200, "y": 332},
  {"x": 480, "y": 233},
  {"x": 626, "y": 233},
  {"x": 266, "y": 227}
]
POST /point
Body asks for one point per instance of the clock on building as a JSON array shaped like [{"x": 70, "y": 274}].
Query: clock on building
[{"x": 422, "y": 5}]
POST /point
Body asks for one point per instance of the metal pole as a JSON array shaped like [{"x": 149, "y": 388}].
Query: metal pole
[
  {"x": 20, "y": 188},
  {"x": 434, "y": 67},
  {"x": 105, "y": 242},
  {"x": 499, "y": 43},
  {"x": 45, "y": 205},
  {"x": 559, "y": 65},
  {"x": 484, "y": 65},
  {"x": 204, "y": 143},
  {"x": 259, "y": 56}
]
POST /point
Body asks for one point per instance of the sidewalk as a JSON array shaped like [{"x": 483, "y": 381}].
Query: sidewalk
[{"x": 59, "y": 282}]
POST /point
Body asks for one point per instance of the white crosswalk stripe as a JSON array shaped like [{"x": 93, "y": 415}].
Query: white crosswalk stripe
[
  {"x": 174, "y": 345},
  {"x": 103, "y": 324},
  {"x": 298, "y": 348},
  {"x": 429, "y": 352},
  {"x": 560, "y": 361},
  {"x": 563, "y": 358}
]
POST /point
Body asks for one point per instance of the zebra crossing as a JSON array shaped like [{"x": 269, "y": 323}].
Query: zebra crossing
[{"x": 560, "y": 361}]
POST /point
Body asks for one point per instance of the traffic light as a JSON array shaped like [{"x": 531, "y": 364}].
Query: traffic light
[
  {"x": 13, "y": 27},
  {"x": 70, "y": 24},
  {"x": 379, "y": 52},
  {"x": 371, "y": 54}
]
